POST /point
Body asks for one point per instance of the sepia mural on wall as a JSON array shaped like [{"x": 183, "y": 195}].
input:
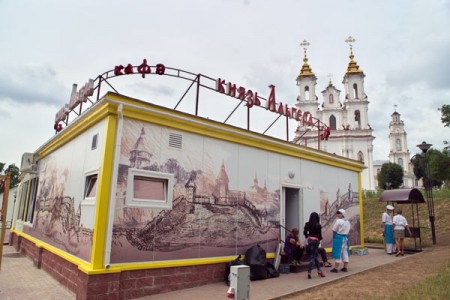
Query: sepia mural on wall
[
  {"x": 349, "y": 201},
  {"x": 208, "y": 217},
  {"x": 56, "y": 218}
]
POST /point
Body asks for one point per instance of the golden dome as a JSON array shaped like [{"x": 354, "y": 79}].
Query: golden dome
[
  {"x": 306, "y": 69},
  {"x": 353, "y": 67}
]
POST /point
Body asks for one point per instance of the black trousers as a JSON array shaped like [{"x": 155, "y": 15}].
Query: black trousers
[
  {"x": 323, "y": 254},
  {"x": 298, "y": 253}
]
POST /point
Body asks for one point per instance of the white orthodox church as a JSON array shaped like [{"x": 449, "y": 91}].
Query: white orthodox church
[{"x": 351, "y": 134}]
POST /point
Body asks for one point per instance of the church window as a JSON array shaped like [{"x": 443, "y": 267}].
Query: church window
[
  {"x": 332, "y": 122},
  {"x": 355, "y": 91},
  {"x": 331, "y": 99},
  {"x": 400, "y": 162},
  {"x": 398, "y": 145},
  {"x": 360, "y": 156},
  {"x": 149, "y": 189},
  {"x": 306, "y": 92},
  {"x": 357, "y": 118}
]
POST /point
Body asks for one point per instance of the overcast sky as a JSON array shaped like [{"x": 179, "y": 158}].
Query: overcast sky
[{"x": 403, "y": 47}]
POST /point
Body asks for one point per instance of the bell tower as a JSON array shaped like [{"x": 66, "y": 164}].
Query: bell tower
[
  {"x": 399, "y": 152},
  {"x": 355, "y": 97},
  {"x": 307, "y": 100},
  {"x": 350, "y": 132}
]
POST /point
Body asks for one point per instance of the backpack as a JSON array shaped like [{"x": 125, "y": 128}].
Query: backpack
[{"x": 255, "y": 257}]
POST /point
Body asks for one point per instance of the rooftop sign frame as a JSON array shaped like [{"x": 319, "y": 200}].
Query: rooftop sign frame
[{"x": 246, "y": 97}]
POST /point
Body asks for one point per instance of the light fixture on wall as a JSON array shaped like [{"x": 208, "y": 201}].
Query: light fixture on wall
[{"x": 291, "y": 174}]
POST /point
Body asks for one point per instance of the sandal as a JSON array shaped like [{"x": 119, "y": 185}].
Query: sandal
[{"x": 327, "y": 264}]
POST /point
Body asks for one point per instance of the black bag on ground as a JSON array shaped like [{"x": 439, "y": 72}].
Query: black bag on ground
[
  {"x": 255, "y": 257},
  {"x": 236, "y": 262},
  {"x": 271, "y": 271}
]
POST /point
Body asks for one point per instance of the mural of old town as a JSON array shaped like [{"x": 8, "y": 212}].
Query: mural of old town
[
  {"x": 208, "y": 219},
  {"x": 349, "y": 201},
  {"x": 56, "y": 218}
]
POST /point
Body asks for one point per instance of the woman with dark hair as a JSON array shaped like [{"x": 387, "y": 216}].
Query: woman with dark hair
[{"x": 313, "y": 233}]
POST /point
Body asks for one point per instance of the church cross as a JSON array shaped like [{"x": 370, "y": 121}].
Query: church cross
[
  {"x": 350, "y": 40},
  {"x": 305, "y": 44}
]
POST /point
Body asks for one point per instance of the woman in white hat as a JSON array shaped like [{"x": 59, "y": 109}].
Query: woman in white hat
[
  {"x": 388, "y": 230},
  {"x": 341, "y": 228}
]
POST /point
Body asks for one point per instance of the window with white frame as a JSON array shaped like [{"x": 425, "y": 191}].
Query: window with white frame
[
  {"x": 400, "y": 162},
  {"x": 149, "y": 189},
  {"x": 28, "y": 198},
  {"x": 398, "y": 145},
  {"x": 332, "y": 122},
  {"x": 32, "y": 199},
  {"x": 90, "y": 189},
  {"x": 23, "y": 200}
]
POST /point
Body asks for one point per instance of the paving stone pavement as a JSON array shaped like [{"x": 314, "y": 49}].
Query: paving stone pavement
[{"x": 19, "y": 279}]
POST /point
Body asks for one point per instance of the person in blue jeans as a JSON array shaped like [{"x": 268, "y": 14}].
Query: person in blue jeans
[{"x": 313, "y": 233}]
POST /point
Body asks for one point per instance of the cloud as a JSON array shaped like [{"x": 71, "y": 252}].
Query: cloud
[
  {"x": 25, "y": 85},
  {"x": 4, "y": 114},
  {"x": 423, "y": 53}
]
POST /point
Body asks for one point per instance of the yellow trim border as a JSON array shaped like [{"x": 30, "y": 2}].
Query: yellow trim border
[
  {"x": 88, "y": 270},
  {"x": 64, "y": 255},
  {"x": 361, "y": 210},
  {"x": 103, "y": 196}
]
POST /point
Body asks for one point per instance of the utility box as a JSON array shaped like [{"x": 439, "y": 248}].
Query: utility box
[{"x": 239, "y": 283}]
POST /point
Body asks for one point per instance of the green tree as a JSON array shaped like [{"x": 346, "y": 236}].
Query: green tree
[
  {"x": 390, "y": 176},
  {"x": 14, "y": 177},
  {"x": 438, "y": 167},
  {"x": 445, "y": 114}
]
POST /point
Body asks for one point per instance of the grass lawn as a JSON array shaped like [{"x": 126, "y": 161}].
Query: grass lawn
[
  {"x": 373, "y": 209},
  {"x": 435, "y": 287}
]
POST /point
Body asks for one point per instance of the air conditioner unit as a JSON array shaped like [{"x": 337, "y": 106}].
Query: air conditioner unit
[{"x": 28, "y": 164}]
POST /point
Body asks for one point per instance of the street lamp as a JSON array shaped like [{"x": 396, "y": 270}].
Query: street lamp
[{"x": 428, "y": 188}]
